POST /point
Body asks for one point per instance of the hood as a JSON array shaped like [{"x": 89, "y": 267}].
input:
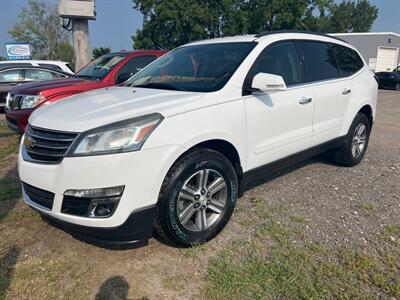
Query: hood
[
  {"x": 34, "y": 88},
  {"x": 95, "y": 108}
]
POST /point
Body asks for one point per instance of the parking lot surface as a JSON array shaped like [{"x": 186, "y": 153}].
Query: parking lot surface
[{"x": 314, "y": 230}]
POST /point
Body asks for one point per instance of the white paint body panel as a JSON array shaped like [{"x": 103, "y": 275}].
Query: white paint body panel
[{"x": 262, "y": 127}]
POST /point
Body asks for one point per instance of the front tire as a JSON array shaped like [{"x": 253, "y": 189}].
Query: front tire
[
  {"x": 197, "y": 198},
  {"x": 353, "y": 149}
]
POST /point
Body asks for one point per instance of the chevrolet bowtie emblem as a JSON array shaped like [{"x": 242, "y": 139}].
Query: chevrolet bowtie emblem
[{"x": 29, "y": 142}]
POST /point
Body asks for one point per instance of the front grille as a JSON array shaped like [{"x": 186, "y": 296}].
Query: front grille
[
  {"x": 75, "y": 206},
  {"x": 14, "y": 101},
  {"x": 47, "y": 146},
  {"x": 39, "y": 196}
]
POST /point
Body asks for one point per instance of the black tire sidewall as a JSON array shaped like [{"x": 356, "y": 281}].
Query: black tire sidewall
[
  {"x": 360, "y": 118},
  {"x": 204, "y": 159}
]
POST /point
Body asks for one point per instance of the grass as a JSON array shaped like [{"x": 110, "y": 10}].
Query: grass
[
  {"x": 250, "y": 269},
  {"x": 8, "y": 141},
  {"x": 50, "y": 278},
  {"x": 9, "y": 189},
  {"x": 175, "y": 283},
  {"x": 367, "y": 208}
]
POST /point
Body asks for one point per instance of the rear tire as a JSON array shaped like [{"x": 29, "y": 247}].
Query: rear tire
[
  {"x": 397, "y": 87},
  {"x": 353, "y": 149},
  {"x": 197, "y": 198}
]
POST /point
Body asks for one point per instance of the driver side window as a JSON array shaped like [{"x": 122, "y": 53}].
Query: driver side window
[
  {"x": 133, "y": 66},
  {"x": 280, "y": 59}
]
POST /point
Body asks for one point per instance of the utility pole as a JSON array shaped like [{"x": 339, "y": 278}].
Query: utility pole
[
  {"x": 77, "y": 13},
  {"x": 80, "y": 31}
]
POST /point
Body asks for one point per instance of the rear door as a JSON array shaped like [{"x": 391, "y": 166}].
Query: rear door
[
  {"x": 278, "y": 123},
  {"x": 331, "y": 92}
]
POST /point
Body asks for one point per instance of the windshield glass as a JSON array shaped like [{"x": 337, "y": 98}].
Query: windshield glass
[
  {"x": 100, "y": 67},
  {"x": 199, "y": 68}
]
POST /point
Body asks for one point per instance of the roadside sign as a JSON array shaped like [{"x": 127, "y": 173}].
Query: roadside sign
[{"x": 16, "y": 51}]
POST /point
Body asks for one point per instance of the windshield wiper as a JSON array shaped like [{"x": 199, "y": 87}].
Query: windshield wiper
[{"x": 158, "y": 85}]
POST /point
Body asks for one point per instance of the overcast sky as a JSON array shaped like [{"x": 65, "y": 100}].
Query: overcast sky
[{"x": 117, "y": 21}]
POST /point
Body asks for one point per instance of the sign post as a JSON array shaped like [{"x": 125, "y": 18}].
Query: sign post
[
  {"x": 18, "y": 51},
  {"x": 79, "y": 12}
]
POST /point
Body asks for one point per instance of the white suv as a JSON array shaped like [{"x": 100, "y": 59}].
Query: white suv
[
  {"x": 173, "y": 149},
  {"x": 51, "y": 64}
]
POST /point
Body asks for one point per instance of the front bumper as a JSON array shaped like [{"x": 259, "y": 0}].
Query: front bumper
[
  {"x": 141, "y": 172},
  {"x": 136, "y": 230},
  {"x": 17, "y": 120}
]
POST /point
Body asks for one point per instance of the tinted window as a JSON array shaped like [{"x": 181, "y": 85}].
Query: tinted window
[
  {"x": 101, "y": 66},
  {"x": 197, "y": 68},
  {"x": 319, "y": 61},
  {"x": 280, "y": 59},
  {"x": 10, "y": 75},
  {"x": 348, "y": 60},
  {"x": 33, "y": 75},
  {"x": 51, "y": 66},
  {"x": 134, "y": 66}
]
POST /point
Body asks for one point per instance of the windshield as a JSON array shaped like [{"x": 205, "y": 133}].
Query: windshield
[
  {"x": 199, "y": 68},
  {"x": 100, "y": 67}
]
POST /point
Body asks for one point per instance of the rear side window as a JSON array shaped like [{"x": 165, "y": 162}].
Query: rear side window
[
  {"x": 10, "y": 75},
  {"x": 280, "y": 59},
  {"x": 348, "y": 60},
  {"x": 33, "y": 75},
  {"x": 319, "y": 61}
]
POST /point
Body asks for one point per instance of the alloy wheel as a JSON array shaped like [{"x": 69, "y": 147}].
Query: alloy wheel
[
  {"x": 202, "y": 200},
  {"x": 359, "y": 140}
]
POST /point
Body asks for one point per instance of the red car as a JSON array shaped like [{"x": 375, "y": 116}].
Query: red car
[{"x": 107, "y": 70}]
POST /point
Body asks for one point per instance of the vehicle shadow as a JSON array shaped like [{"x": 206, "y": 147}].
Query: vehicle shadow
[
  {"x": 10, "y": 192},
  {"x": 113, "y": 288},
  {"x": 7, "y": 265}
]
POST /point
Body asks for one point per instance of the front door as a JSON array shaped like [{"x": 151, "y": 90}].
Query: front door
[{"x": 278, "y": 123}]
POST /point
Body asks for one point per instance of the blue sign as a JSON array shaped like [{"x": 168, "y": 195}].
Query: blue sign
[{"x": 16, "y": 51}]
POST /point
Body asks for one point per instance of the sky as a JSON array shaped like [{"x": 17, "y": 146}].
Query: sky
[{"x": 117, "y": 21}]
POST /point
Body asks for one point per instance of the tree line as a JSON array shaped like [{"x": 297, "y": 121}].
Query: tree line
[
  {"x": 171, "y": 23},
  {"x": 168, "y": 24}
]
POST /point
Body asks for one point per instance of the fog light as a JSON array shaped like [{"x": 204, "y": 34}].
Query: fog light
[
  {"x": 102, "y": 207},
  {"x": 92, "y": 203}
]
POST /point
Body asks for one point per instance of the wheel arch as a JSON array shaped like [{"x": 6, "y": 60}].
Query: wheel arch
[
  {"x": 367, "y": 110},
  {"x": 227, "y": 149}
]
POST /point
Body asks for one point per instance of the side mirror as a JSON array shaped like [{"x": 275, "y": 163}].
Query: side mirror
[
  {"x": 124, "y": 77},
  {"x": 265, "y": 82}
]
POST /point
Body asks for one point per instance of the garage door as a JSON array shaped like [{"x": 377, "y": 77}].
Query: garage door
[{"x": 386, "y": 59}]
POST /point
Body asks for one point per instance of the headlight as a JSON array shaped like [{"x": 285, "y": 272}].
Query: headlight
[
  {"x": 119, "y": 137},
  {"x": 30, "y": 101},
  {"x": 8, "y": 98}
]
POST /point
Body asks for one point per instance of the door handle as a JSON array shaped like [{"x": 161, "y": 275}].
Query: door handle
[
  {"x": 346, "y": 91},
  {"x": 305, "y": 100}
]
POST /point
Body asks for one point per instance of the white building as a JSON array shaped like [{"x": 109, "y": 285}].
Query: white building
[{"x": 379, "y": 49}]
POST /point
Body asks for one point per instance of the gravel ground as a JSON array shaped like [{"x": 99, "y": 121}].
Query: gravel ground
[
  {"x": 342, "y": 207},
  {"x": 346, "y": 205}
]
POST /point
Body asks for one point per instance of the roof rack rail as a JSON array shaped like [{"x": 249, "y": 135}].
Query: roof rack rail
[{"x": 266, "y": 33}]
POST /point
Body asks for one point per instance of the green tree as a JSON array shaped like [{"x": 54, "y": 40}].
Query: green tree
[
  {"x": 350, "y": 16},
  {"x": 99, "y": 51},
  {"x": 168, "y": 24},
  {"x": 39, "y": 25},
  {"x": 2, "y": 58}
]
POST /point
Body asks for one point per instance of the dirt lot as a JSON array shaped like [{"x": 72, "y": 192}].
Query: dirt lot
[{"x": 314, "y": 231}]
